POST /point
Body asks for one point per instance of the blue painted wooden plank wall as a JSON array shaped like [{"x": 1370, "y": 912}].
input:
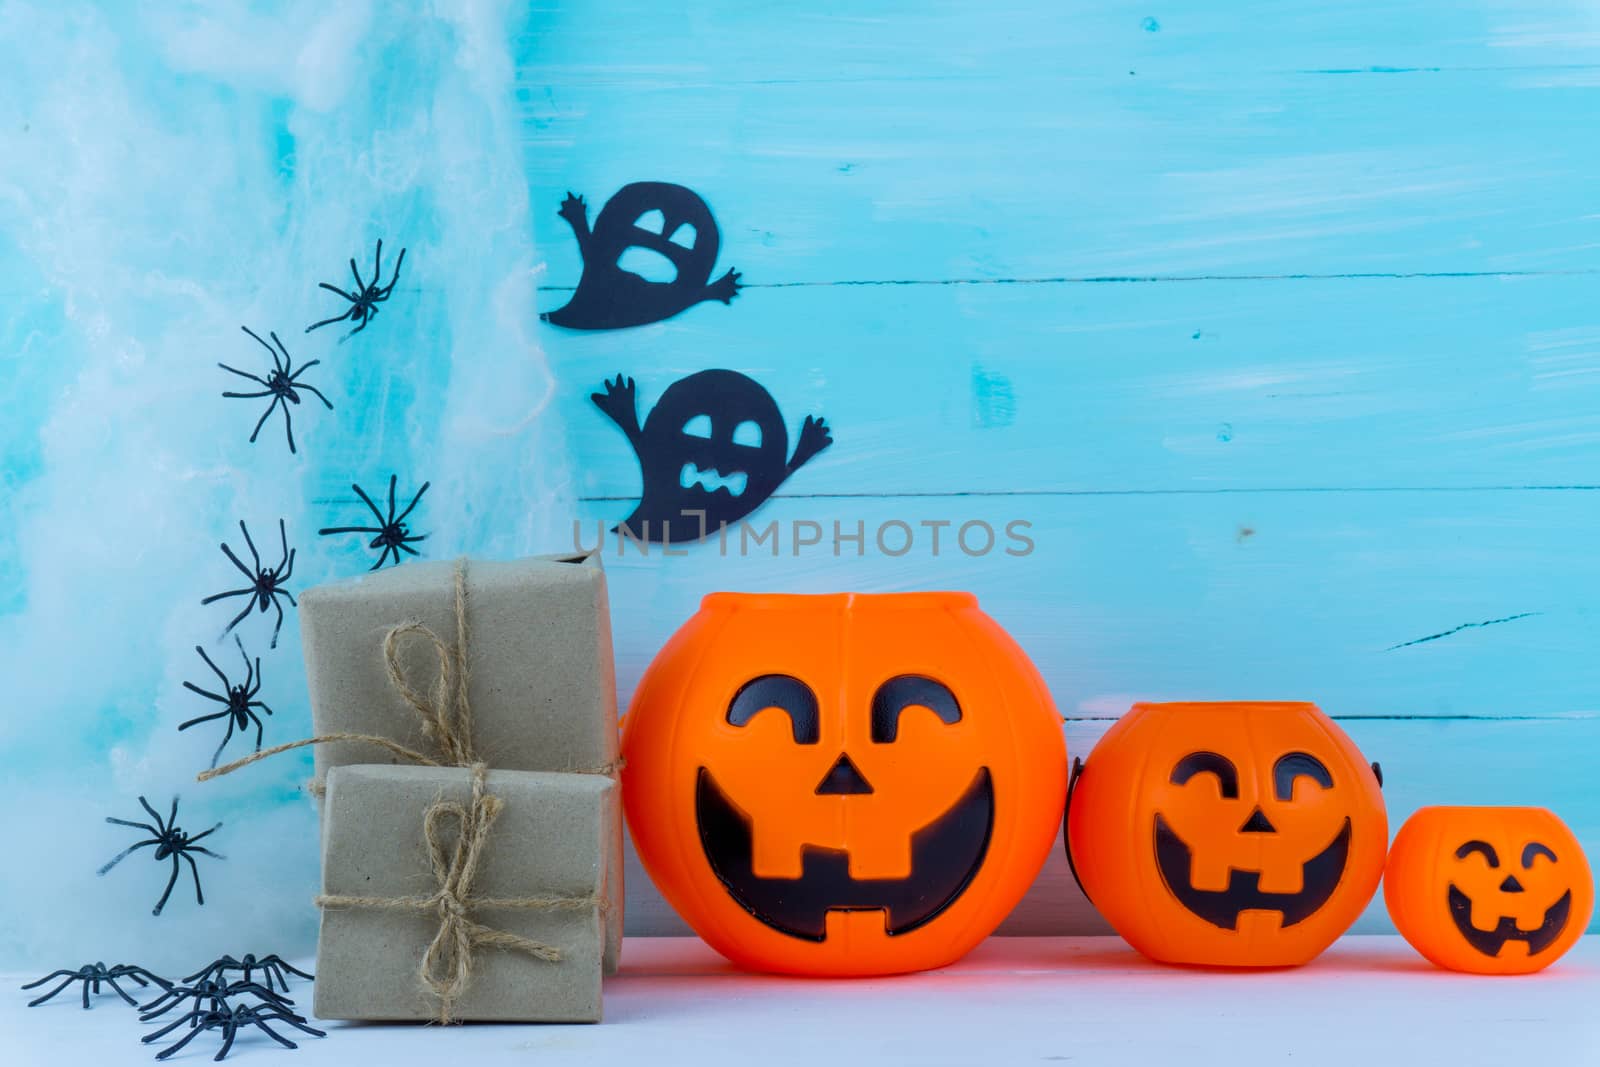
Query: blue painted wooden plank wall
[{"x": 1279, "y": 322}]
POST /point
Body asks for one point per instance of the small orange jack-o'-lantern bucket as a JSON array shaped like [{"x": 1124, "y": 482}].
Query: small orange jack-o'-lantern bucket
[
  {"x": 846, "y": 784},
  {"x": 1488, "y": 890},
  {"x": 1227, "y": 834}
]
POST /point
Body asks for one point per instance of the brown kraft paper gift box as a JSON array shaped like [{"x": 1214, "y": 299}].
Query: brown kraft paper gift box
[
  {"x": 542, "y": 679},
  {"x": 550, "y": 841}
]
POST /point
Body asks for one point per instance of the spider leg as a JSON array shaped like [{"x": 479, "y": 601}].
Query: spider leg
[
  {"x": 230, "y": 1030},
  {"x": 288, "y": 427},
  {"x": 329, "y": 322},
  {"x": 265, "y": 415},
  {"x": 361, "y": 286},
  {"x": 314, "y": 391},
  {"x": 206, "y": 833},
  {"x": 414, "y": 501},
  {"x": 172, "y": 819},
  {"x": 205, "y": 693},
  {"x": 287, "y": 362},
  {"x": 395, "y": 278},
  {"x": 240, "y": 617},
  {"x": 138, "y": 825},
  {"x": 270, "y": 1032},
  {"x": 165, "y": 826},
  {"x": 53, "y": 974},
  {"x": 377, "y": 263},
  {"x": 86, "y": 991},
  {"x": 287, "y": 573},
  {"x": 291, "y": 968},
  {"x": 278, "y": 625},
  {"x": 283, "y": 540},
  {"x": 214, "y": 668},
  {"x": 383, "y": 557},
  {"x": 225, "y": 737},
  {"x": 194, "y": 868},
  {"x": 125, "y": 853},
  {"x": 365, "y": 316},
  {"x": 408, "y": 548},
  {"x": 349, "y": 529},
  {"x": 204, "y": 718},
  {"x": 259, "y": 730},
  {"x": 170, "y": 883},
  {"x": 224, "y": 595},
  {"x": 249, "y": 675},
  {"x": 373, "y": 507},
  {"x": 237, "y": 562},
  {"x": 254, "y": 555},
  {"x": 260, "y": 704},
  {"x": 245, "y": 374},
  {"x": 260, "y": 342},
  {"x": 248, "y": 396},
  {"x": 112, "y": 982},
  {"x": 393, "y": 481},
  {"x": 190, "y": 1036},
  {"x": 296, "y": 1021},
  {"x": 40, "y": 1000}
]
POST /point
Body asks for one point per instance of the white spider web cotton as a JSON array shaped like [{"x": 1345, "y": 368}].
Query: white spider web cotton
[{"x": 171, "y": 175}]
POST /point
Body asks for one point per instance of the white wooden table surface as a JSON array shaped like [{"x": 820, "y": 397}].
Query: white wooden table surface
[{"x": 1369, "y": 1000}]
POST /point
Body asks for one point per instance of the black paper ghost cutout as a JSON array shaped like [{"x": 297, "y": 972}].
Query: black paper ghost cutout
[
  {"x": 710, "y": 452},
  {"x": 610, "y": 297}
]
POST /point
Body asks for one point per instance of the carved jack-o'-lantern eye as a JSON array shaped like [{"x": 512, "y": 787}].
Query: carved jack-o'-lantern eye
[
  {"x": 1220, "y": 767},
  {"x": 1294, "y": 766},
  {"x": 910, "y": 691},
  {"x": 786, "y": 693}
]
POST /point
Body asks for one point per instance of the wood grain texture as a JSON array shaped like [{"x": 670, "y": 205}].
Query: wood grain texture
[{"x": 1276, "y": 322}]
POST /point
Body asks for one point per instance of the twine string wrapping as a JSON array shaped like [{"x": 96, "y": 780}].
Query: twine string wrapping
[
  {"x": 446, "y": 966},
  {"x": 446, "y": 716}
]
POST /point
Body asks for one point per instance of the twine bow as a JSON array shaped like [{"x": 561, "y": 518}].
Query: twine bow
[{"x": 446, "y": 716}]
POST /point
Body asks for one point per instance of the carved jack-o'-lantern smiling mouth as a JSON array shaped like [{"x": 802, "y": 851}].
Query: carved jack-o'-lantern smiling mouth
[
  {"x": 946, "y": 853},
  {"x": 1490, "y": 942},
  {"x": 1222, "y": 907},
  {"x": 1320, "y": 875}
]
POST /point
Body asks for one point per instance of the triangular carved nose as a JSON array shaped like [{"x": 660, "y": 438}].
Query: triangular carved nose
[
  {"x": 843, "y": 779},
  {"x": 1258, "y": 823},
  {"x": 1511, "y": 885}
]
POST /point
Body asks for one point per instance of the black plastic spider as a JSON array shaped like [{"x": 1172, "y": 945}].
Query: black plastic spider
[
  {"x": 393, "y": 534},
  {"x": 367, "y": 296},
  {"x": 265, "y": 585},
  {"x": 271, "y": 966},
  {"x": 171, "y": 843},
  {"x": 215, "y": 993},
  {"x": 92, "y": 974},
  {"x": 282, "y": 383},
  {"x": 239, "y": 699},
  {"x": 230, "y": 1019}
]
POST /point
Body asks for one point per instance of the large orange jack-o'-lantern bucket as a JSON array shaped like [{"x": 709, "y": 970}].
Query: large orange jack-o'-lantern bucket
[
  {"x": 1488, "y": 890},
  {"x": 847, "y": 784},
  {"x": 1228, "y": 834}
]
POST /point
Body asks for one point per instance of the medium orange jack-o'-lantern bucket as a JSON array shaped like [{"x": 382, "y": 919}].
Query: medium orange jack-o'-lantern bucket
[
  {"x": 848, "y": 784},
  {"x": 1228, "y": 834},
  {"x": 1488, "y": 890}
]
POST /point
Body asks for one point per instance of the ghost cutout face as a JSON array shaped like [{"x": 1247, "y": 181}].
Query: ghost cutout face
[
  {"x": 711, "y": 451},
  {"x": 664, "y": 222}
]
